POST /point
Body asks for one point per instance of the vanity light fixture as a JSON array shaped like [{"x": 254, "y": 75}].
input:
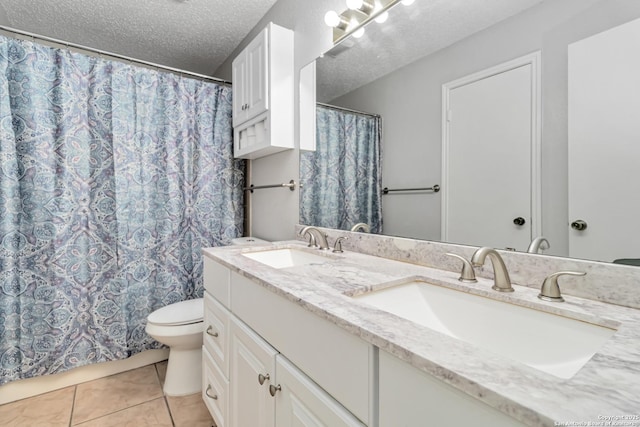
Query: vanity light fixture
[
  {"x": 359, "y": 13},
  {"x": 382, "y": 18},
  {"x": 407, "y": 2},
  {"x": 358, "y": 33},
  {"x": 332, "y": 19},
  {"x": 364, "y": 6}
]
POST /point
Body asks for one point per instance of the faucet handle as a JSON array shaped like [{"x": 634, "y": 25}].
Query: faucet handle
[
  {"x": 550, "y": 290},
  {"x": 312, "y": 240},
  {"x": 467, "y": 274},
  {"x": 337, "y": 246}
]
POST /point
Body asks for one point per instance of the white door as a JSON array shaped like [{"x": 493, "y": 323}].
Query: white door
[
  {"x": 251, "y": 357},
  {"x": 604, "y": 144},
  {"x": 490, "y": 132},
  {"x": 301, "y": 403}
]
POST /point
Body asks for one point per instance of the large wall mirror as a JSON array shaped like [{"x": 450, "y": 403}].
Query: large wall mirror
[{"x": 541, "y": 76}]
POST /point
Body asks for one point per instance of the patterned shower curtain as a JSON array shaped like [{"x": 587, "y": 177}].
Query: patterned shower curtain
[
  {"x": 341, "y": 180},
  {"x": 112, "y": 178}
]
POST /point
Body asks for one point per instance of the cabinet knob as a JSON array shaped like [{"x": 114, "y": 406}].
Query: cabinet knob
[
  {"x": 210, "y": 332},
  {"x": 263, "y": 378},
  {"x": 211, "y": 396},
  {"x": 273, "y": 389}
]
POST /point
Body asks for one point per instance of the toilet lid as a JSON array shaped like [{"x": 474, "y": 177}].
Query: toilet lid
[{"x": 179, "y": 313}]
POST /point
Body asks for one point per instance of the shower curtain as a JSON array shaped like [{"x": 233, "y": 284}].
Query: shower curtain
[
  {"x": 112, "y": 178},
  {"x": 341, "y": 180}
]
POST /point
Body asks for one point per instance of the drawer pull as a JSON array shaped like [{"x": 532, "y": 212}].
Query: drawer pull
[
  {"x": 263, "y": 378},
  {"x": 273, "y": 389},
  {"x": 211, "y": 396},
  {"x": 210, "y": 332}
]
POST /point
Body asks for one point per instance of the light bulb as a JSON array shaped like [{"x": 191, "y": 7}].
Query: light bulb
[
  {"x": 332, "y": 19},
  {"x": 354, "y": 4},
  {"x": 407, "y": 2},
  {"x": 382, "y": 17},
  {"x": 358, "y": 33}
]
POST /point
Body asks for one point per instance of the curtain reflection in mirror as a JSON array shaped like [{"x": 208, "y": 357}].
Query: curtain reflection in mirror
[{"x": 341, "y": 180}]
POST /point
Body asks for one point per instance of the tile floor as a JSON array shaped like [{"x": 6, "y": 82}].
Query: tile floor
[{"x": 133, "y": 398}]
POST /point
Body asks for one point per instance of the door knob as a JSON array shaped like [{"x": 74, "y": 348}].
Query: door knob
[
  {"x": 519, "y": 221},
  {"x": 579, "y": 225}
]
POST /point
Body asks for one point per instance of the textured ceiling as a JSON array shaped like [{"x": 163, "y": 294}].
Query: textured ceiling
[
  {"x": 194, "y": 35},
  {"x": 410, "y": 33}
]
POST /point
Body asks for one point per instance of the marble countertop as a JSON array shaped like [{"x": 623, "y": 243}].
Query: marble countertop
[{"x": 608, "y": 386}]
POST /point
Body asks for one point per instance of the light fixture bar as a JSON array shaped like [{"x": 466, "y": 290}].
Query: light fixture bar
[{"x": 349, "y": 15}]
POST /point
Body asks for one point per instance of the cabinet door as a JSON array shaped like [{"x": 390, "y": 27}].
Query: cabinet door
[
  {"x": 409, "y": 397},
  {"x": 300, "y": 402},
  {"x": 251, "y": 357},
  {"x": 257, "y": 76},
  {"x": 216, "y": 336},
  {"x": 215, "y": 390},
  {"x": 240, "y": 91}
]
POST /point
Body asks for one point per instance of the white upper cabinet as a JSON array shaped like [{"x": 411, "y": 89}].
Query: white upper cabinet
[
  {"x": 250, "y": 71},
  {"x": 263, "y": 95}
]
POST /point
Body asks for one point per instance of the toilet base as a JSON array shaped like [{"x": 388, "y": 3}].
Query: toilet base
[{"x": 184, "y": 372}]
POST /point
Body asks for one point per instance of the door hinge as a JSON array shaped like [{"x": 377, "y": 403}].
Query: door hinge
[{"x": 449, "y": 115}]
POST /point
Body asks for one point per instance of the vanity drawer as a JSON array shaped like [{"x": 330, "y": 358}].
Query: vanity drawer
[
  {"x": 215, "y": 390},
  {"x": 216, "y": 335},
  {"x": 339, "y": 362},
  {"x": 216, "y": 280}
]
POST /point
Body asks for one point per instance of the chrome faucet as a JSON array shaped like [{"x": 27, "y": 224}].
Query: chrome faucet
[
  {"x": 537, "y": 244},
  {"x": 317, "y": 237},
  {"x": 361, "y": 226},
  {"x": 500, "y": 274}
]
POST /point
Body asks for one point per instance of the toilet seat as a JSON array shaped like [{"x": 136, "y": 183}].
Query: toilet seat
[{"x": 180, "y": 313}]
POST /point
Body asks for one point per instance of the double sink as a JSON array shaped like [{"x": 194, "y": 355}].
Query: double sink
[{"x": 551, "y": 343}]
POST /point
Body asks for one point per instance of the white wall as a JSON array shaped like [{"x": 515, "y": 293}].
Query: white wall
[
  {"x": 3, "y": 16},
  {"x": 409, "y": 101},
  {"x": 274, "y": 212}
]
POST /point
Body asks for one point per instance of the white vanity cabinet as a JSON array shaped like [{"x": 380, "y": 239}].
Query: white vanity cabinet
[
  {"x": 409, "y": 397},
  {"x": 267, "y": 390},
  {"x": 253, "y": 363},
  {"x": 215, "y": 360},
  {"x": 300, "y": 402},
  {"x": 263, "y": 94},
  {"x": 268, "y": 362}
]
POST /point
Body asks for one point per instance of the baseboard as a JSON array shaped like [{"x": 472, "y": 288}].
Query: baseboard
[{"x": 22, "y": 389}]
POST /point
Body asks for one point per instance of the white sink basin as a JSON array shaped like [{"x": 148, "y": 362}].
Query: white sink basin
[
  {"x": 283, "y": 258},
  {"x": 554, "y": 344}
]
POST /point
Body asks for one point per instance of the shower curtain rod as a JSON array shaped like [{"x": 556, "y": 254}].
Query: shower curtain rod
[
  {"x": 114, "y": 55},
  {"x": 349, "y": 110}
]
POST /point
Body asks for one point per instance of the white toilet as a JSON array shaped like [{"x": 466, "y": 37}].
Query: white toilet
[{"x": 180, "y": 327}]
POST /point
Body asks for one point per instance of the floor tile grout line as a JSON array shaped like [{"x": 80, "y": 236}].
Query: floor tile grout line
[
  {"x": 119, "y": 410},
  {"x": 73, "y": 404},
  {"x": 166, "y": 402},
  {"x": 130, "y": 406}
]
